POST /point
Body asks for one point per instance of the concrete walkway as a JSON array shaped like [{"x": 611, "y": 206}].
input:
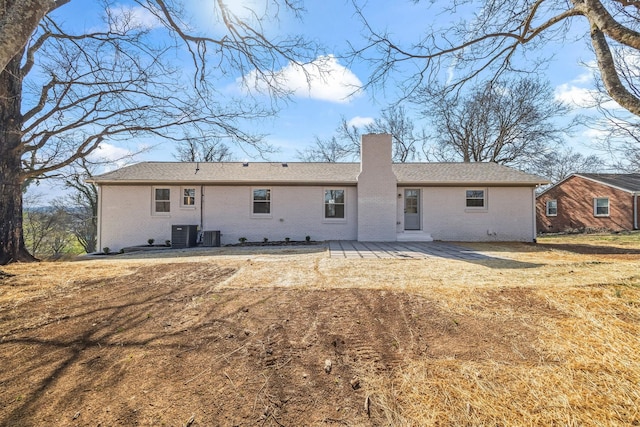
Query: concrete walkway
[{"x": 401, "y": 250}]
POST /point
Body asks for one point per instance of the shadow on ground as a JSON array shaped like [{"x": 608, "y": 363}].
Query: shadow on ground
[{"x": 591, "y": 249}]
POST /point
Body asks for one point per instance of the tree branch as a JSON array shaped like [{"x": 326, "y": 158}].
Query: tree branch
[{"x": 612, "y": 83}]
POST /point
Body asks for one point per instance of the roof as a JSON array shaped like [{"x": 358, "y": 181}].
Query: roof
[
  {"x": 303, "y": 173},
  {"x": 624, "y": 181}
]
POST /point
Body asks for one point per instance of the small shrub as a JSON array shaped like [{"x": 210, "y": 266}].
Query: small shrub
[
  {"x": 242, "y": 240},
  {"x": 265, "y": 240},
  {"x": 106, "y": 250},
  {"x": 307, "y": 239},
  {"x": 150, "y": 242},
  {"x": 287, "y": 239}
]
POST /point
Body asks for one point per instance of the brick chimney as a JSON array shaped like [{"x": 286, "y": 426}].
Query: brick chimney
[{"x": 377, "y": 190}]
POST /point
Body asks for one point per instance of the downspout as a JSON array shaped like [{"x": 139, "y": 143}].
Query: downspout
[
  {"x": 99, "y": 225},
  {"x": 201, "y": 208},
  {"x": 635, "y": 211},
  {"x": 535, "y": 231}
]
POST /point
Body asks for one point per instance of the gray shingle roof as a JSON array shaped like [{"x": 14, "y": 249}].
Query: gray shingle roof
[
  {"x": 298, "y": 173},
  {"x": 625, "y": 181}
]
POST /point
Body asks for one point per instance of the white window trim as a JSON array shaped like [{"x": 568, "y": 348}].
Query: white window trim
[
  {"x": 153, "y": 201},
  {"x": 334, "y": 220},
  {"x": 484, "y": 208},
  {"x": 595, "y": 207},
  {"x": 547, "y": 207},
  {"x": 195, "y": 200},
  {"x": 261, "y": 215}
]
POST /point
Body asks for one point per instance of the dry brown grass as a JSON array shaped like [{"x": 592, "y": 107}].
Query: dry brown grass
[
  {"x": 580, "y": 310},
  {"x": 587, "y": 373}
]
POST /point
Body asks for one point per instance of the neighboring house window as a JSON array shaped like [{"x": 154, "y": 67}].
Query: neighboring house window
[
  {"x": 476, "y": 199},
  {"x": 188, "y": 197},
  {"x": 552, "y": 207},
  {"x": 334, "y": 204},
  {"x": 261, "y": 201},
  {"x": 601, "y": 206},
  {"x": 162, "y": 200}
]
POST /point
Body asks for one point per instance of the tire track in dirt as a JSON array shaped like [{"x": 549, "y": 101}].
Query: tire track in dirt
[{"x": 169, "y": 341}]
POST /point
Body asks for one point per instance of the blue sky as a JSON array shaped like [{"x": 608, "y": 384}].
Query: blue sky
[{"x": 317, "y": 111}]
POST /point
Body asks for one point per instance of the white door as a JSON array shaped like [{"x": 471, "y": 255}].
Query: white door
[{"x": 411, "y": 209}]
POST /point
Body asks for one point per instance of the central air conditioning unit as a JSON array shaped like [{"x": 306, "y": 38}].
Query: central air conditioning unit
[
  {"x": 183, "y": 236},
  {"x": 211, "y": 238}
]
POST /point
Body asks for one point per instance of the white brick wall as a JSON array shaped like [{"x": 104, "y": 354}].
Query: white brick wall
[
  {"x": 508, "y": 217},
  {"x": 296, "y": 212},
  {"x": 377, "y": 188}
]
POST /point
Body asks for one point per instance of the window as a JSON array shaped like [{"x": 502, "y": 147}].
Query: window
[
  {"x": 601, "y": 206},
  {"x": 552, "y": 207},
  {"x": 262, "y": 201},
  {"x": 161, "y": 198},
  {"x": 476, "y": 199},
  {"x": 188, "y": 197},
  {"x": 334, "y": 204}
]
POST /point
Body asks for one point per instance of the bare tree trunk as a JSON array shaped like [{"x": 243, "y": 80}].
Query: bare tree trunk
[{"x": 12, "y": 248}]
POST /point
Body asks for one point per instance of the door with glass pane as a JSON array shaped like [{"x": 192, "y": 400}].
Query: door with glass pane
[{"x": 411, "y": 209}]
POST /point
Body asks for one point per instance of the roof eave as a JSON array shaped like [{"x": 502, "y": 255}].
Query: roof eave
[
  {"x": 471, "y": 183},
  {"x": 221, "y": 183}
]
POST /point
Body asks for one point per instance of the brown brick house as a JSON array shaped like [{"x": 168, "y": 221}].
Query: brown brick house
[{"x": 590, "y": 201}]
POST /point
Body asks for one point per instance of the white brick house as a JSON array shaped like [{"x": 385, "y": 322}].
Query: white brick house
[{"x": 374, "y": 200}]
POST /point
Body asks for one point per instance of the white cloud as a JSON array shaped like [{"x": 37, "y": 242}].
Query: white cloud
[
  {"x": 580, "y": 97},
  {"x": 590, "y": 134},
  {"x": 360, "y": 122},
  {"x": 323, "y": 79},
  {"x": 584, "y": 79},
  {"x": 112, "y": 156},
  {"x": 575, "y": 96}
]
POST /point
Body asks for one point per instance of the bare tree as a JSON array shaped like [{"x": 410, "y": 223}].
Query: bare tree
[
  {"x": 406, "y": 139},
  {"x": 507, "y": 122},
  {"x": 330, "y": 151},
  {"x": 37, "y": 223},
  {"x": 616, "y": 131},
  {"x": 62, "y": 94},
  {"x": 200, "y": 150},
  {"x": 506, "y": 35},
  {"x": 47, "y": 230},
  {"x": 82, "y": 206},
  {"x": 558, "y": 164},
  {"x": 618, "y": 136},
  {"x": 345, "y": 145}
]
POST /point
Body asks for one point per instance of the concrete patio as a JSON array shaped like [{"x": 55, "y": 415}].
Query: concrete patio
[{"x": 402, "y": 250}]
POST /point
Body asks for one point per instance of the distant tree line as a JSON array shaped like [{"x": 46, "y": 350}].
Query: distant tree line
[
  {"x": 512, "y": 121},
  {"x": 67, "y": 225}
]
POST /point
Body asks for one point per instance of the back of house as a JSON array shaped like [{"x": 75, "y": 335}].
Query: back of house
[{"x": 374, "y": 200}]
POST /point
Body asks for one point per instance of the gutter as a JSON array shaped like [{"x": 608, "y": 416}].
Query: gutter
[{"x": 230, "y": 183}]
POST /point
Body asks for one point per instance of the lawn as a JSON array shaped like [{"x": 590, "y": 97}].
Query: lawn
[{"x": 533, "y": 334}]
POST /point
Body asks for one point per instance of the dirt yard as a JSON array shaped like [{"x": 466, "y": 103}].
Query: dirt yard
[{"x": 534, "y": 334}]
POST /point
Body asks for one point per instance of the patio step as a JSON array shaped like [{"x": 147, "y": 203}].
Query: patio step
[{"x": 414, "y": 236}]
